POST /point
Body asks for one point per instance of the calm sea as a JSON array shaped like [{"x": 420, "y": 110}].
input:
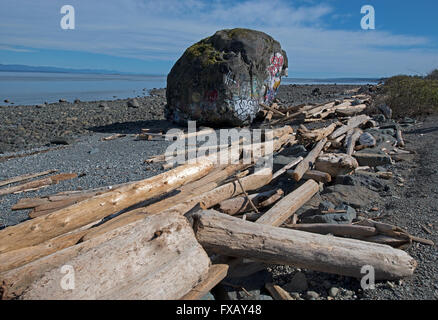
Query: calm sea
[{"x": 30, "y": 88}]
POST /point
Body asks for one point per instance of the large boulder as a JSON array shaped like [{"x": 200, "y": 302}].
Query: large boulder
[{"x": 221, "y": 80}]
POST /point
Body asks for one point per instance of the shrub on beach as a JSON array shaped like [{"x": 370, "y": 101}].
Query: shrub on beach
[
  {"x": 433, "y": 75},
  {"x": 412, "y": 95}
]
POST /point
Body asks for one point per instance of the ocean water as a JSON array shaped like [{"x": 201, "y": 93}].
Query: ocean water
[{"x": 30, "y": 88}]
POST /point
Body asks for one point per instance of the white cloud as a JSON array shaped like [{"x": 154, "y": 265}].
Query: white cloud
[{"x": 162, "y": 30}]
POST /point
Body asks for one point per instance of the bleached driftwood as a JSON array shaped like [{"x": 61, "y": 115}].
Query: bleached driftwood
[
  {"x": 223, "y": 234},
  {"x": 157, "y": 257}
]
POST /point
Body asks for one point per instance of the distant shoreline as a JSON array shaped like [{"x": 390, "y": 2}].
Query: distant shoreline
[{"x": 34, "y": 88}]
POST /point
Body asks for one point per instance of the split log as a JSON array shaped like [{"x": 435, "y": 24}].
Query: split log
[
  {"x": 317, "y": 134},
  {"x": 241, "y": 204},
  {"x": 272, "y": 110},
  {"x": 216, "y": 274},
  {"x": 319, "y": 109},
  {"x": 336, "y": 164},
  {"x": 223, "y": 234},
  {"x": 277, "y": 292},
  {"x": 29, "y": 203},
  {"x": 351, "y": 124},
  {"x": 115, "y": 268},
  {"x": 40, "y": 229},
  {"x": 351, "y": 141},
  {"x": 351, "y": 111},
  {"x": 38, "y": 183},
  {"x": 326, "y": 113},
  {"x": 308, "y": 161},
  {"x": 318, "y": 176},
  {"x": 25, "y": 177},
  {"x": 287, "y": 206}
]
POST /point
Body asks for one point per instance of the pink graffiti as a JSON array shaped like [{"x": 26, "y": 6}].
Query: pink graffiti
[
  {"x": 211, "y": 95},
  {"x": 276, "y": 65}
]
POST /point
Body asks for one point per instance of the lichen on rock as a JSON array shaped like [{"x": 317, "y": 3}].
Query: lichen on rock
[{"x": 222, "y": 79}]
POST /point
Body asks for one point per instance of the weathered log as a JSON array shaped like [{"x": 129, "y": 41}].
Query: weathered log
[
  {"x": 399, "y": 137},
  {"x": 223, "y": 234},
  {"x": 343, "y": 105},
  {"x": 277, "y": 292},
  {"x": 38, "y": 183},
  {"x": 272, "y": 109},
  {"x": 116, "y": 268},
  {"x": 114, "y": 137},
  {"x": 40, "y": 229},
  {"x": 336, "y": 164},
  {"x": 308, "y": 161},
  {"x": 317, "y": 134},
  {"x": 351, "y": 124},
  {"x": 318, "y": 176},
  {"x": 240, "y": 204},
  {"x": 208, "y": 199},
  {"x": 287, "y": 206},
  {"x": 351, "y": 141},
  {"x": 29, "y": 203},
  {"x": 25, "y": 177},
  {"x": 287, "y": 167},
  {"x": 216, "y": 274},
  {"x": 351, "y": 111}
]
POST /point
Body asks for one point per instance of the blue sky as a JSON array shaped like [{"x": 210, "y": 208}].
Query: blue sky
[{"x": 321, "y": 38}]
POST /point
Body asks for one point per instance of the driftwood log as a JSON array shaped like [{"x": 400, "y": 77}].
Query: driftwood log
[
  {"x": 308, "y": 161},
  {"x": 40, "y": 229},
  {"x": 25, "y": 177},
  {"x": 287, "y": 206},
  {"x": 351, "y": 124},
  {"x": 223, "y": 234},
  {"x": 318, "y": 176},
  {"x": 336, "y": 164},
  {"x": 157, "y": 257}
]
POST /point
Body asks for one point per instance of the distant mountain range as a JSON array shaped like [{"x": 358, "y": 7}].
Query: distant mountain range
[{"x": 24, "y": 68}]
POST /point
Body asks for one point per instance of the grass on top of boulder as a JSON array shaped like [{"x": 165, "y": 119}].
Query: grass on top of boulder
[{"x": 412, "y": 95}]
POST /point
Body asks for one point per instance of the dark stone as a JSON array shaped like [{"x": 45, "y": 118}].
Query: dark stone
[
  {"x": 316, "y": 92},
  {"x": 77, "y": 101},
  {"x": 297, "y": 150},
  {"x": 354, "y": 196},
  {"x": 326, "y": 206},
  {"x": 358, "y": 179},
  {"x": 221, "y": 80},
  {"x": 60, "y": 141},
  {"x": 333, "y": 218},
  {"x": 133, "y": 103},
  {"x": 62, "y": 100},
  {"x": 253, "y": 284},
  {"x": 298, "y": 283},
  {"x": 386, "y": 111}
]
